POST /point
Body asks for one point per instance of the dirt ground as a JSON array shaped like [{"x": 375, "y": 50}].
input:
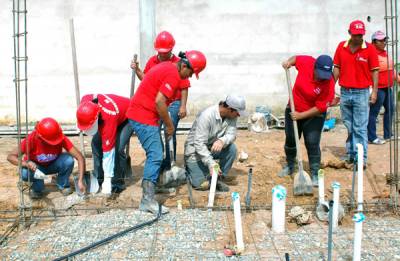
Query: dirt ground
[{"x": 266, "y": 157}]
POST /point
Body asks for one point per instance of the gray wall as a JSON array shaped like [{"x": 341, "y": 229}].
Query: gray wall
[{"x": 244, "y": 41}]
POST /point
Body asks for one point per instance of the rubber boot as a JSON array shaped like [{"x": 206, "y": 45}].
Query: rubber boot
[
  {"x": 148, "y": 203},
  {"x": 288, "y": 169},
  {"x": 106, "y": 186},
  {"x": 314, "y": 162}
]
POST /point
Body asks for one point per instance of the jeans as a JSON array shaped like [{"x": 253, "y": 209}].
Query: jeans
[
  {"x": 198, "y": 172},
  {"x": 354, "y": 107},
  {"x": 63, "y": 165},
  {"x": 173, "y": 110},
  {"x": 311, "y": 128},
  {"x": 150, "y": 138},
  {"x": 123, "y": 135},
  {"x": 385, "y": 98}
]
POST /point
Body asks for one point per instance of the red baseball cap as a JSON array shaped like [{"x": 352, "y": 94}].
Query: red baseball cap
[{"x": 357, "y": 27}]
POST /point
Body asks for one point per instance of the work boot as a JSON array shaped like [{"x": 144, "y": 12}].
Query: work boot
[
  {"x": 288, "y": 169},
  {"x": 205, "y": 185},
  {"x": 35, "y": 194},
  {"x": 66, "y": 191},
  {"x": 222, "y": 187},
  {"x": 148, "y": 203},
  {"x": 314, "y": 162}
]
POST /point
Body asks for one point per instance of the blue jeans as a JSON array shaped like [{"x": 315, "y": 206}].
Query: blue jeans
[
  {"x": 173, "y": 110},
  {"x": 63, "y": 165},
  {"x": 385, "y": 98},
  {"x": 123, "y": 135},
  {"x": 149, "y": 137},
  {"x": 198, "y": 172},
  {"x": 354, "y": 107}
]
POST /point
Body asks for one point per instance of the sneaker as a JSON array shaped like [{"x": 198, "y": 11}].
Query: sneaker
[
  {"x": 106, "y": 186},
  {"x": 66, "y": 191},
  {"x": 378, "y": 141},
  {"x": 35, "y": 195},
  {"x": 222, "y": 187},
  {"x": 229, "y": 180}
]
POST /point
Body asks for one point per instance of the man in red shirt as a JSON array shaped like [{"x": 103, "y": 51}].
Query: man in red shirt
[
  {"x": 313, "y": 92},
  {"x": 103, "y": 116},
  {"x": 385, "y": 92},
  {"x": 148, "y": 106},
  {"x": 356, "y": 66},
  {"x": 43, "y": 153},
  {"x": 163, "y": 44}
]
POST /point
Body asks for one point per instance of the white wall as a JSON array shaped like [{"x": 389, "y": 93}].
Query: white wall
[{"x": 244, "y": 41}]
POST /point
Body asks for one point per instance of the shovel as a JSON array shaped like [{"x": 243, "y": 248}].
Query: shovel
[{"x": 302, "y": 184}]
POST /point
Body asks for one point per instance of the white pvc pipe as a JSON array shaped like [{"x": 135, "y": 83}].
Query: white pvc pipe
[
  {"x": 360, "y": 174},
  {"x": 238, "y": 221},
  {"x": 278, "y": 209},
  {"x": 358, "y": 222},
  {"x": 336, "y": 191},
  {"x": 321, "y": 188},
  {"x": 211, "y": 195}
]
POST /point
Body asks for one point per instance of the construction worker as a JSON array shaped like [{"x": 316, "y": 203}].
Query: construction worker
[
  {"x": 356, "y": 66},
  {"x": 385, "y": 92},
  {"x": 163, "y": 44},
  {"x": 212, "y": 138},
  {"x": 103, "y": 117},
  {"x": 148, "y": 106},
  {"x": 43, "y": 150},
  {"x": 313, "y": 91}
]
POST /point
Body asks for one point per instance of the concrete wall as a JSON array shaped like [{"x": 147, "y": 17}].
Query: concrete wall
[{"x": 244, "y": 41}]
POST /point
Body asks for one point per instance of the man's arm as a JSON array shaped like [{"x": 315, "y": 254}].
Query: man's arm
[
  {"x": 374, "y": 93},
  {"x": 336, "y": 72},
  {"x": 182, "y": 109},
  {"x": 81, "y": 166},
  {"x": 201, "y": 140},
  {"x": 13, "y": 159},
  {"x": 230, "y": 133},
  {"x": 162, "y": 109}
]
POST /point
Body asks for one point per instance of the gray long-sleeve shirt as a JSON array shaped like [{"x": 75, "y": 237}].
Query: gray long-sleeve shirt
[{"x": 206, "y": 129}]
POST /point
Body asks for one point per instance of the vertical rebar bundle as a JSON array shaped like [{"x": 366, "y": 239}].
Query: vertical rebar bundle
[{"x": 21, "y": 82}]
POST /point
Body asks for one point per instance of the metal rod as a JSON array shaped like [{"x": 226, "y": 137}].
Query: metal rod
[
  {"x": 330, "y": 231},
  {"x": 249, "y": 182}
]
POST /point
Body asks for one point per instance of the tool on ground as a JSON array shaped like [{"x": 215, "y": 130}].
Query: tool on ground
[
  {"x": 360, "y": 173},
  {"x": 128, "y": 157},
  {"x": 189, "y": 187},
  {"x": 238, "y": 222},
  {"x": 93, "y": 180},
  {"x": 248, "y": 197},
  {"x": 278, "y": 209},
  {"x": 358, "y": 222},
  {"x": 213, "y": 186},
  {"x": 106, "y": 240},
  {"x": 322, "y": 209},
  {"x": 330, "y": 231},
  {"x": 302, "y": 184}
]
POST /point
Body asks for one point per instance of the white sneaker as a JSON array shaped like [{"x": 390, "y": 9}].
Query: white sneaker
[
  {"x": 378, "y": 141},
  {"x": 106, "y": 186}
]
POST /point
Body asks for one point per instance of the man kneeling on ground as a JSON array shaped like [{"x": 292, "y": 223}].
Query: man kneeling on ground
[{"x": 212, "y": 138}]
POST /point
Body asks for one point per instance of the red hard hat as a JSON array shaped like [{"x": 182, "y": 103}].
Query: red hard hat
[
  {"x": 164, "y": 42},
  {"x": 50, "y": 131},
  {"x": 87, "y": 114},
  {"x": 197, "y": 61}
]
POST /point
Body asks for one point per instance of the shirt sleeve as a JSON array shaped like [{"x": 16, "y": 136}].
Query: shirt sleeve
[
  {"x": 326, "y": 97},
  {"x": 148, "y": 66},
  {"x": 169, "y": 86},
  {"x": 301, "y": 61},
  {"x": 336, "y": 57},
  {"x": 184, "y": 84},
  {"x": 201, "y": 139},
  {"x": 373, "y": 60},
  {"x": 230, "y": 133},
  {"x": 67, "y": 144}
]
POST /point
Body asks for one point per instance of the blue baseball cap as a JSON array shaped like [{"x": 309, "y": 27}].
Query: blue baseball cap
[{"x": 324, "y": 65}]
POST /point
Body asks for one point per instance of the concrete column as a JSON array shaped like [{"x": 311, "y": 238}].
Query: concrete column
[{"x": 147, "y": 26}]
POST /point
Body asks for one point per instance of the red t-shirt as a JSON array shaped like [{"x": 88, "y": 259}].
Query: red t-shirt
[
  {"x": 384, "y": 71},
  {"x": 163, "y": 78},
  {"x": 153, "y": 61},
  {"x": 308, "y": 92},
  {"x": 113, "y": 113},
  {"x": 355, "y": 68},
  {"x": 41, "y": 152}
]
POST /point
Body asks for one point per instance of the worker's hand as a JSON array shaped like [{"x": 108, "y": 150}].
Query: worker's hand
[
  {"x": 135, "y": 65},
  {"x": 296, "y": 116},
  {"x": 335, "y": 101},
  {"x": 215, "y": 168},
  {"x": 286, "y": 64},
  {"x": 169, "y": 131},
  {"x": 372, "y": 98},
  {"x": 217, "y": 146},
  {"x": 182, "y": 112},
  {"x": 31, "y": 165},
  {"x": 82, "y": 186}
]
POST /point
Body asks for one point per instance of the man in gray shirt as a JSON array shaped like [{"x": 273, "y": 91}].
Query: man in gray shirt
[{"x": 211, "y": 138}]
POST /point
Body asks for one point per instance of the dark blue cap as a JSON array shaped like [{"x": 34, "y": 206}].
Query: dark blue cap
[{"x": 324, "y": 65}]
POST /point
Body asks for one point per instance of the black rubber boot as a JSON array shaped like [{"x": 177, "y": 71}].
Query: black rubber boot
[
  {"x": 148, "y": 203},
  {"x": 314, "y": 162},
  {"x": 288, "y": 169}
]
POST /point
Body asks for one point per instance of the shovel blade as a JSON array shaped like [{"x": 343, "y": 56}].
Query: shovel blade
[{"x": 302, "y": 184}]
